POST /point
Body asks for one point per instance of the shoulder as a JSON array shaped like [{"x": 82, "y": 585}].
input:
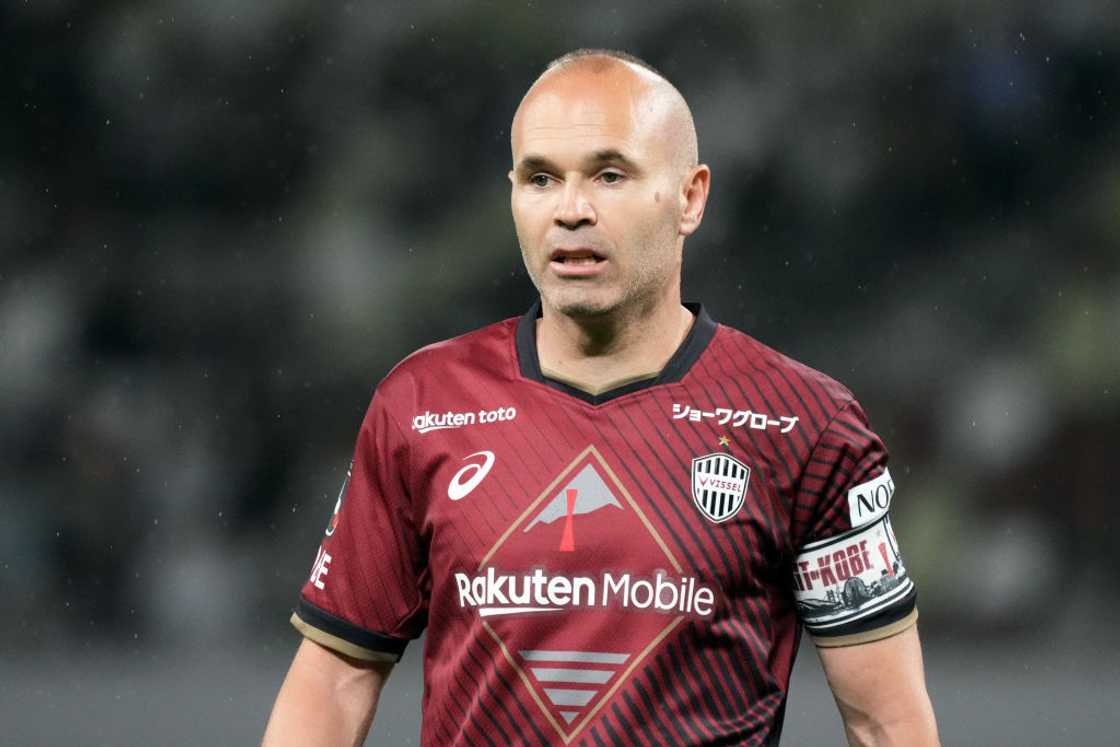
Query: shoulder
[
  {"x": 485, "y": 351},
  {"x": 795, "y": 380}
]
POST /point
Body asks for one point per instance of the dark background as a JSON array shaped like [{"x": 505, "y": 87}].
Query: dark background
[{"x": 222, "y": 222}]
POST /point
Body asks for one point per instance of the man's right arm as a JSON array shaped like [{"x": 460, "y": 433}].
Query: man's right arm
[{"x": 327, "y": 698}]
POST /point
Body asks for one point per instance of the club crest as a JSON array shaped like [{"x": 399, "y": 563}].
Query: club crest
[{"x": 719, "y": 485}]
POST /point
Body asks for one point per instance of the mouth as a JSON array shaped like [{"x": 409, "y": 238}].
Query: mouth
[{"x": 576, "y": 257}]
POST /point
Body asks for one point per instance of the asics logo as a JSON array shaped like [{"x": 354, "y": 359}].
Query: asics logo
[{"x": 468, "y": 478}]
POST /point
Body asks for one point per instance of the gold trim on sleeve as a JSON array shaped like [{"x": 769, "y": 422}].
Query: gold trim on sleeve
[
  {"x": 868, "y": 636},
  {"x": 335, "y": 643}
]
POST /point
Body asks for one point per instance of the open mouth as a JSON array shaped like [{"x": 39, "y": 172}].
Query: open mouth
[{"x": 576, "y": 257}]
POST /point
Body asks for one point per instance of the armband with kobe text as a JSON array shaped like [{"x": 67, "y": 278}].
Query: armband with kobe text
[{"x": 841, "y": 581}]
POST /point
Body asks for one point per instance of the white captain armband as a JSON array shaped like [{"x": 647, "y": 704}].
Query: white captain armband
[{"x": 841, "y": 582}]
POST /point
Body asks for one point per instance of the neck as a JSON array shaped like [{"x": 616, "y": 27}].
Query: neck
[{"x": 599, "y": 353}]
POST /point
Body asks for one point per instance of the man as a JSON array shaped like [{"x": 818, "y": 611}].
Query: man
[{"x": 612, "y": 515}]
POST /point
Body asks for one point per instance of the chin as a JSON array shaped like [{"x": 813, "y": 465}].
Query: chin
[{"x": 581, "y": 306}]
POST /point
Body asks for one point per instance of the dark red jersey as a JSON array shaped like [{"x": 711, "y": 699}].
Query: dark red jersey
[{"x": 628, "y": 568}]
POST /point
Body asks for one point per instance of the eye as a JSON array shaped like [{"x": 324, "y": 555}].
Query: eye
[
  {"x": 611, "y": 177},
  {"x": 539, "y": 180}
]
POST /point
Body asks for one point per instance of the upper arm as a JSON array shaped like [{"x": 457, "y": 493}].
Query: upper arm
[
  {"x": 327, "y": 698},
  {"x": 341, "y": 673},
  {"x": 880, "y": 690},
  {"x": 352, "y": 636},
  {"x": 854, "y": 594},
  {"x": 849, "y": 581}
]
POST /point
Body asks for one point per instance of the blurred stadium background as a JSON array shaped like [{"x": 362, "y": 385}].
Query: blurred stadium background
[{"x": 222, "y": 222}]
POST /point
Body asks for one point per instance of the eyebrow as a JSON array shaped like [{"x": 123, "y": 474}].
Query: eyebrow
[{"x": 532, "y": 163}]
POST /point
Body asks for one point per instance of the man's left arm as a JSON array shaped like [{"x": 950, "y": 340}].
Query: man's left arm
[
  {"x": 854, "y": 594},
  {"x": 880, "y": 690}
]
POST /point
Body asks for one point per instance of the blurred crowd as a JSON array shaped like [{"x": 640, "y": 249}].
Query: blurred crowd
[{"x": 221, "y": 223}]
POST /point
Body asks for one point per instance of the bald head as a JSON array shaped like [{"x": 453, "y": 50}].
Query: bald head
[
  {"x": 590, "y": 89},
  {"x": 605, "y": 186}
]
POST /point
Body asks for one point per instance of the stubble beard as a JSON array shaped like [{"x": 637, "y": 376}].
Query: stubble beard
[
  {"x": 589, "y": 300},
  {"x": 631, "y": 296}
]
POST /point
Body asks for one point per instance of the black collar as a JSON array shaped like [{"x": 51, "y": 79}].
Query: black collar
[{"x": 703, "y": 328}]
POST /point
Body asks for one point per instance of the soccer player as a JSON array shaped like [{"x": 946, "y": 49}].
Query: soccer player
[{"x": 613, "y": 516}]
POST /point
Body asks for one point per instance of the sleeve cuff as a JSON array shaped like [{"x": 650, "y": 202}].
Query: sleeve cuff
[
  {"x": 867, "y": 636},
  {"x": 344, "y": 637}
]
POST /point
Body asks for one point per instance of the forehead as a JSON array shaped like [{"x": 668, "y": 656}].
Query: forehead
[{"x": 581, "y": 109}]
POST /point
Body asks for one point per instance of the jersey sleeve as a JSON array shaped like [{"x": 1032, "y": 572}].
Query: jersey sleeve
[
  {"x": 849, "y": 581},
  {"x": 366, "y": 595}
]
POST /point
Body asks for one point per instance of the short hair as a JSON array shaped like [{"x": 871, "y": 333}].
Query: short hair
[{"x": 617, "y": 54}]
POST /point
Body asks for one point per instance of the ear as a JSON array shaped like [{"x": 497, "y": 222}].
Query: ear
[
  {"x": 510, "y": 175},
  {"x": 694, "y": 196}
]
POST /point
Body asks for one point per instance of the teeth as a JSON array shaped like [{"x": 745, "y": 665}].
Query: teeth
[{"x": 579, "y": 260}]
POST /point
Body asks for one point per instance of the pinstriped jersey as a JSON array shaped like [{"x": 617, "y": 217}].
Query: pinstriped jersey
[{"x": 633, "y": 567}]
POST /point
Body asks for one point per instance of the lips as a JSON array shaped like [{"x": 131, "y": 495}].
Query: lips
[
  {"x": 576, "y": 263},
  {"x": 575, "y": 256}
]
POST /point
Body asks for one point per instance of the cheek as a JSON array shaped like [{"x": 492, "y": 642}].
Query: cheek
[
  {"x": 650, "y": 225},
  {"x": 527, "y": 222}
]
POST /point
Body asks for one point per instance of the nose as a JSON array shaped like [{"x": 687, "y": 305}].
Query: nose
[{"x": 574, "y": 209}]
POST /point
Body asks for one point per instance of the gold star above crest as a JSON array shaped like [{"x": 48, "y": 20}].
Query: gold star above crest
[{"x": 724, "y": 441}]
